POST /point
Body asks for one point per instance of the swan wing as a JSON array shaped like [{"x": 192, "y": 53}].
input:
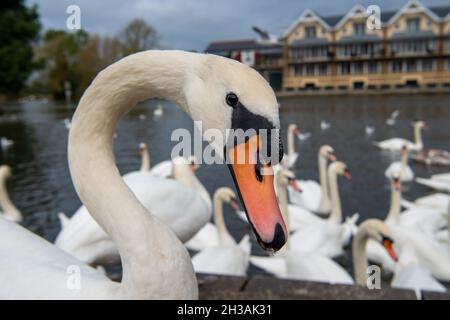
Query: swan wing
[
  {"x": 228, "y": 260},
  {"x": 310, "y": 196},
  {"x": 416, "y": 277},
  {"x": 208, "y": 236},
  {"x": 272, "y": 265},
  {"x": 438, "y": 185}
]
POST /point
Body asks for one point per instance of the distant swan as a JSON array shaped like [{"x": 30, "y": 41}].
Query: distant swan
[
  {"x": 396, "y": 144},
  {"x": 10, "y": 212}
]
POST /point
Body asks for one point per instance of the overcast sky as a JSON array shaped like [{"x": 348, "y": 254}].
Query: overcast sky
[{"x": 192, "y": 24}]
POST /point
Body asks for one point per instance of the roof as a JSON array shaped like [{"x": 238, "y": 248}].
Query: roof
[
  {"x": 220, "y": 46},
  {"x": 442, "y": 12}
]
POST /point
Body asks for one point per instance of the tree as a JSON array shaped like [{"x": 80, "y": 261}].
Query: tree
[
  {"x": 19, "y": 27},
  {"x": 138, "y": 36}
]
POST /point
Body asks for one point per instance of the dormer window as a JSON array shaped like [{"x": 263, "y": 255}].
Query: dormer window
[
  {"x": 413, "y": 25},
  {"x": 359, "y": 29},
  {"x": 310, "y": 32}
]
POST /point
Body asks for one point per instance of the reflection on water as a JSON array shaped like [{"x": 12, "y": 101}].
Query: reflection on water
[{"x": 41, "y": 186}]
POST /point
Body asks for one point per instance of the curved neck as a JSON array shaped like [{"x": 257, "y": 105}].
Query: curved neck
[
  {"x": 323, "y": 179},
  {"x": 145, "y": 161},
  {"x": 359, "y": 256},
  {"x": 139, "y": 237},
  {"x": 9, "y": 209},
  {"x": 418, "y": 136},
  {"x": 184, "y": 174},
  {"x": 404, "y": 163},
  {"x": 219, "y": 220},
  {"x": 393, "y": 215},
  {"x": 282, "y": 196},
  {"x": 290, "y": 141},
  {"x": 336, "y": 211}
]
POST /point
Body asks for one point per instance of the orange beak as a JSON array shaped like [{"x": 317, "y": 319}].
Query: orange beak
[
  {"x": 347, "y": 175},
  {"x": 234, "y": 205},
  {"x": 294, "y": 185},
  {"x": 387, "y": 244},
  {"x": 396, "y": 184},
  {"x": 256, "y": 190}
]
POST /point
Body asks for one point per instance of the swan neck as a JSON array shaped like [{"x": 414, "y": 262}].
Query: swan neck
[
  {"x": 140, "y": 237},
  {"x": 10, "y": 211},
  {"x": 219, "y": 220},
  {"x": 418, "y": 137},
  {"x": 290, "y": 141},
  {"x": 336, "y": 211},
  {"x": 394, "y": 210},
  {"x": 145, "y": 161},
  {"x": 359, "y": 256},
  {"x": 323, "y": 179},
  {"x": 282, "y": 195}
]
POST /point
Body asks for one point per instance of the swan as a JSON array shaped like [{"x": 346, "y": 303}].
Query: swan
[
  {"x": 183, "y": 204},
  {"x": 315, "y": 196},
  {"x": 438, "y": 182},
  {"x": 410, "y": 274},
  {"x": 433, "y": 157},
  {"x": 212, "y": 234},
  {"x": 6, "y": 143},
  {"x": 293, "y": 263},
  {"x": 158, "y": 112},
  {"x": 155, "y": 263},
  {"x": 325, "y": 236},
  {"x": 290, "y": 158},
  {"x": 303, "y": 217},
  {"x": 392, "y": 118},
  {"x": 142, "y": 117},
  {"x": 10, "y": 212},
  {"x": 406, "y": 173},
  {"x": 324, "y": 125},
  {"x": 369, "y": 130},
  {"x": 419, "y": 220},
  {"x": 436, "y": 201},
  {"x": 377, "y": 231},
  {"x": 162, "y": 169},
  {"x": 395, "y": 144},
  {"x": 225, "y": 256}
]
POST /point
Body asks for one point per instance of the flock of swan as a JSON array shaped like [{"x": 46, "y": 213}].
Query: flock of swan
[{"x": 148, "y": 219}]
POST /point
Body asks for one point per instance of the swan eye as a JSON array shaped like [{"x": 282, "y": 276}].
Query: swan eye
[{"x": 232, "y": 99}]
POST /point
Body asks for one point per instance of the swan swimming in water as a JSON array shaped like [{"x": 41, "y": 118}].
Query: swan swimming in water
[
  {"x": 396, "y": 144},
  {"x": 218, "y": 91}
]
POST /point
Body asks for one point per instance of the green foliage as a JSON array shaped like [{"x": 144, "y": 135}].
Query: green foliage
[{"x": 19, "y": 27}]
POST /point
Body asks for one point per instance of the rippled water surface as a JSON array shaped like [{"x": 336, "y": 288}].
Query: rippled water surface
[{"x": 41, "y": 186}]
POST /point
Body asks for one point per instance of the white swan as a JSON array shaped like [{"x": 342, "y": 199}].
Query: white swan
[
  {"x": 369, "y": 130},
  {"x": 396, "y": 144},
  {"x": 418, "y": 220},
  {"x": 439, "y": 182},
  {"x": 376, "y": 231},
  {"x": 325, "y": 236},
  {"x": 436, "y": 201},
  {"x": 183, "y": 204},
  {"x": 303, "y": 217},
  {"x": 410, "y": 274},
  {"x": 315, "y": 196},
  {"x": 224, "y": 256},
  {"x": 162, "y": 169},
  {"x": 213, "y": 234},
  {"x": 290, "y": 158},
  {"x": 9, "y": 210},
  {"x": 155, "y": 263},
  {"x": 292, "y": 263},
  {"x": 406, "y": 173},
  {"x": 324, "y": 125},
  {"x": 392, "y": 118}
]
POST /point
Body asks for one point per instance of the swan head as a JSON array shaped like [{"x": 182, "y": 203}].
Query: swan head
[
  {"x": 293, "y": 128},
  {"x": 287, "y": 178},
  {"x": 341, "y": 169},
  {"x": 142, "y": 147},
  {"x": 404, "y": 150},
  {"x": 396, "y": 182},
  {"x": 327, "y": 152},
  {"x": 228, "y": 196},
  {"x": 380, "y": 232},
  {"x": 5, "y": 171},
  {"x": 419, "y": 124},
  {"x": 227, "y": 96}
]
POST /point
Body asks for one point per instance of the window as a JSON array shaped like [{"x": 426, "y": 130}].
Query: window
[
  {"x": 345, "y": 68},
  {"x": 410, "y": 65},
  {"x": 413, "y": 25},
  {"x": 358, "y": 67},
  {"x": 427, "y": 65},
  {"x": 359, "y": 29},
  {"x": 309, "y": 69},
  {"x": 397, "y": 66},
  {"x": 310, "y": 32},
  {"x": 322, "y": 69},
  {"x": 373, "y": 67}
]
